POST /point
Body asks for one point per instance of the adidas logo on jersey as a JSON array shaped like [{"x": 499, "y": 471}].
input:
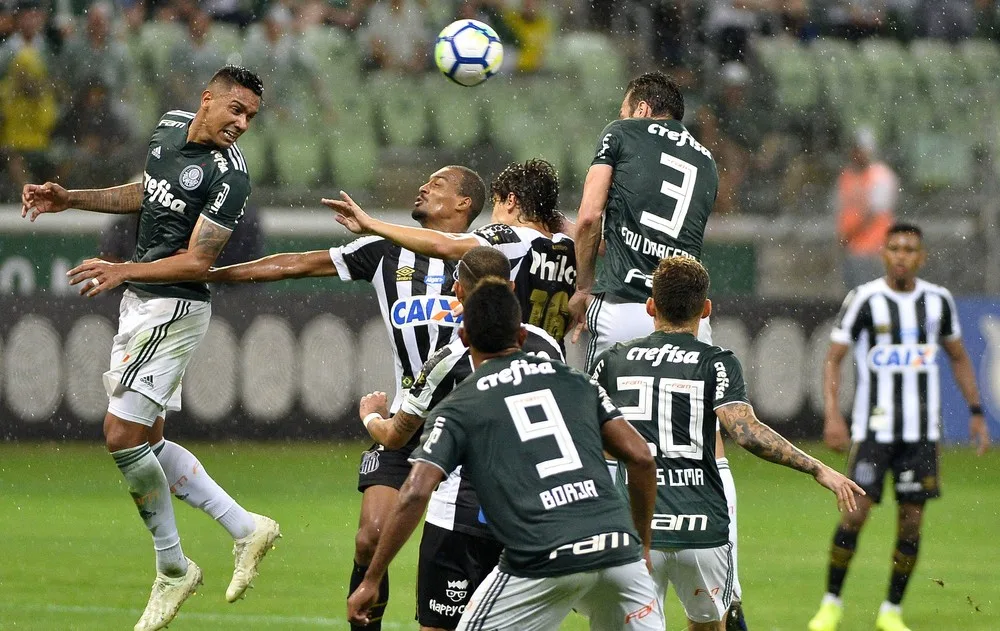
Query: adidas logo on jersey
[
  {"x": 666, "y": 353},
  {"x": 155, "y": 152},
  {"x": 147, "y": 381}
]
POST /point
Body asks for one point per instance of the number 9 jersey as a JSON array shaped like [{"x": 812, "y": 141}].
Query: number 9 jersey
[{"x": 662, "y": 191}]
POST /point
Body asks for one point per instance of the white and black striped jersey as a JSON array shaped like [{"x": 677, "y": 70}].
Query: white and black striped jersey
[
  {"x": 454, "y": 505},
  {"x": 543, "y": 270},
  {"x": 414, "y": 295},
  {"x": 896, "y": 339}
]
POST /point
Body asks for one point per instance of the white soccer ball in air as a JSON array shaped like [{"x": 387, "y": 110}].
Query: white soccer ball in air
[{"x": 468, "y": 52}]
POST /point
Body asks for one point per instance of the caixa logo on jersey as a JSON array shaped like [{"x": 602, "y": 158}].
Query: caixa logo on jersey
[
  {"x": 898, "y": 357},
  {"x": 423, "y": 310}
]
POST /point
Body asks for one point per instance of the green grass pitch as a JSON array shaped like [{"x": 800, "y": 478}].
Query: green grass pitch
[{"x": 75, "y": 555}]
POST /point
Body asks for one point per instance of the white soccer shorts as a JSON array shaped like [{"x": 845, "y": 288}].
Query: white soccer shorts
[
  {"x": 620, "y": 598},
  {"x": 702, "y": 578},
  {"x": 155, "y": 341},
  {"x": 610, "y": 322}
]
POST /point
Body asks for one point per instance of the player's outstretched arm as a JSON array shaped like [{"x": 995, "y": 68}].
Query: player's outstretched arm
[
  {"x": 406, "y": 514},
  {"x": 37, "y": 199},
  {"x": 835, "y": 431},
  {"x": 763, "y": 442},
  {"x": 622, "y": 441},
  {"x": 276, "y": 267},
  {"x": 393, "y": 432},
  {"x": 442, "y": 245},
  {"x": 965, "y": 376},
  {"x": 190, "y": 265}
]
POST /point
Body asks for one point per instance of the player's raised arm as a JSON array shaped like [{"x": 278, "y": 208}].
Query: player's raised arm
[
  {"x": 405, "y": 517},
  {"x": 192, "y": 264},
  {"x": 38, "y": 199},
  {"x": 588, "y": 237},
  {"x": 433, "y": 243},
  {"x": 275, "y": 267},
  {"x": 742, "y": 424}
]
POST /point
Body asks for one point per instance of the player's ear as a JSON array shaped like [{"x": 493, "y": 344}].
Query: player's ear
[
  {"x": 707, "y": 309},
  {"x": 462, "y": 336},
  {"x": 650, "y": 307},
  {"x": 206, "y": 97},
  {"x": 522, "y": 336},
  {"x": 459, "y": 292}
]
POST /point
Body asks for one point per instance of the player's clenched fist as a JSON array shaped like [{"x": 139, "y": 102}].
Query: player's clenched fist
[
  {"x": 43, "y": 198},
  {"x": 374, "y": 403}
]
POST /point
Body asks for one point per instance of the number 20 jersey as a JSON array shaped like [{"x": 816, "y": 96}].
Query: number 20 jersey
[
  {"x": 668, "y": 385},
  {"x": 662, "y": 191}
]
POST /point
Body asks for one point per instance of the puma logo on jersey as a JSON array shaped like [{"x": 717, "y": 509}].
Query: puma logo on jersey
[{"x": 158, "y": 192}]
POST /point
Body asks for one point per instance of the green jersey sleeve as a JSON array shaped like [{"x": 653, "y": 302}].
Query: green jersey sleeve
[
  {"x": 606, "y": 409},
  {"x": 729, "y": 384},
  {"x": 609, "y": 147},
  {"x": 227, "y": 198},
  {"x": 443, "y": 443}
]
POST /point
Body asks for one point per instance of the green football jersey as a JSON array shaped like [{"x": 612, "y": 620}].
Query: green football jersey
[
  {"x": 183, "y": 181},
  {"x": 668, "y": 385},
  {"x": 662, "y": 192},
  {"x": 527, "y": 432}
]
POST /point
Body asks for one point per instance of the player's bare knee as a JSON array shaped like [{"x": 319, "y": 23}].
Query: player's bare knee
[
  {"x": 121, "y": 434},
  {"x": 910, "y": 518},
  {"x": 366, "y": 541},
  {"x": 854, "y": 520}
]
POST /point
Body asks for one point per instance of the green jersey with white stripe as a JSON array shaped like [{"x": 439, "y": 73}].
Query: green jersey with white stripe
[
  {"x": 662, "y": 191},
  {"x": 668, "y": 385},
  {"x": 182, "y": 182},
  {"x": 527, "y": 432}
]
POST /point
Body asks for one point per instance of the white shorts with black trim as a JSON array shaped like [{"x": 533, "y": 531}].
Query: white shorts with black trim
[
  {"x": 703, "y": 579},
  {"x": 617, "y": 598},
  {"x": 610, "y": 322},
  {"x": 155, "y": 341}
]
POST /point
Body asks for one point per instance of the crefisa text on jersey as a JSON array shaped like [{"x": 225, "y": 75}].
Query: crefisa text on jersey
[
  {"x": 666, "y": 353},
  {"x": 679, "y": 137},
  {"x": 515, "y": 374},
  {"x": 159, "y": 193}
]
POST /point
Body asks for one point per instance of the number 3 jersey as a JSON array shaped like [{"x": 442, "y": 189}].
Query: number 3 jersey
[
  {"x": 662, "y": 191},
  {"x": 543, "y": 270},
  {"x": 527, "y": 433},
  {"x": 454, "y": 505},
  {"x": 668, "y": 385}
]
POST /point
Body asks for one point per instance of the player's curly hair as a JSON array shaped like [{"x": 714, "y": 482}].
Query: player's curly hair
[
  {"x": 659, "y": 91},
  {"x": 492, "y": 316},
  {"x": 680, "y": 286},
  {"x": 535, "y": 185},
  {"x": 238, "y": 75}
]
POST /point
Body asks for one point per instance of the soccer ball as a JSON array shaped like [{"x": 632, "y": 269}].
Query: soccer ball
[{"x": 468, "y": 52}]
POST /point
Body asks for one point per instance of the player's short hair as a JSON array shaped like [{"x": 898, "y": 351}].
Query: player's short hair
[
  {"x": 535, "y": 185},
  {"x": 472, "y": 186},
  {"x": 905, "y": 228},
  {"x": 680, "y": 287},
  {"x": 238, "y": 75},
  {"x": 659, "y": 91},
  {"x": 481, "y": 262},
  {"x": 492, "y": 316}
]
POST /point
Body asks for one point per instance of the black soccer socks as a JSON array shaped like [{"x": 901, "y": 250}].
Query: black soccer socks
[
  {"x": 904, "y": 559},
  {"x": 376, "y": 613},
  {"x": 845, "y": 542}
]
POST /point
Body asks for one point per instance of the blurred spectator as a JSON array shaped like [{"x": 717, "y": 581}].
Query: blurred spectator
[
  {"x": 192, "y": 61},
  {"x": 854, "y": 19},
  {"x": 96, "y": 139},
  {"x": 27, "y": 116},
  {"x": 29, "y": 24},
  {"x": 948, "y": 19},
  {"x": 395, "y": 37},
  {"x": 95, "y": 57},
  {"x": 532, "y": 29},
  {"x": 6, "y": 20},
  {"x": 238, "y": 12},
  {"x": 730, "y": 23},
  {"x": 866, "y": 198}
]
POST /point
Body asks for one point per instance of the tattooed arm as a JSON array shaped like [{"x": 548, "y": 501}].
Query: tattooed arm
[
  {"x": 191, "y": 265},
  {"x": 393, "y": 432},
  {"x": 37, "y": 199},
  {"x": 763, "y": 442}
]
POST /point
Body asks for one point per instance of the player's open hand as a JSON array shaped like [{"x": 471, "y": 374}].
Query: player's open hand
[
  {"x": 835, "y": 433},
  {"x": 842, "y": 486},
  {"x": 97, "y": 276},
  {"x": 376, "y": 402},
  {"x": 577, "y": 308},
  {"x": 360, "y": 603},
  {"x": 349, "y": 214},
  {"x": 979, "y": 433},
  {"x": 43, "y": 198}
]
